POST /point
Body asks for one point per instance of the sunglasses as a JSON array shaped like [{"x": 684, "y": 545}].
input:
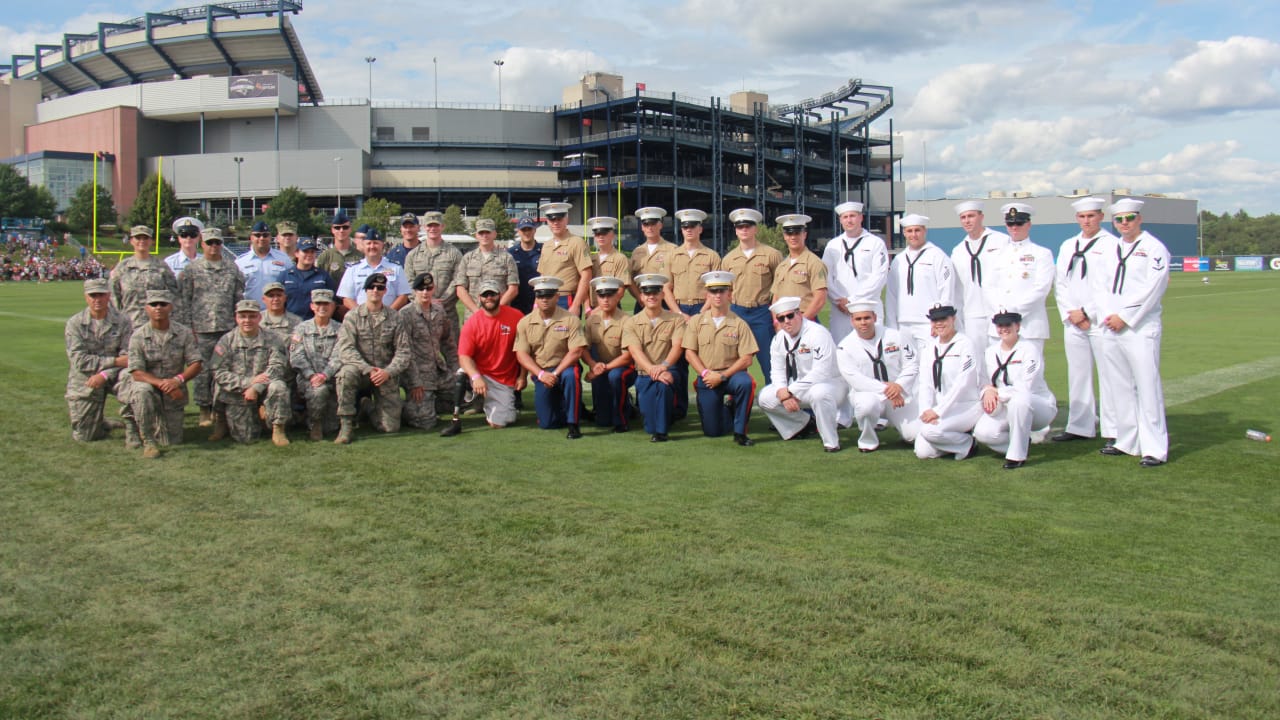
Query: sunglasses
[
  {"x": 426, "y": 288},
  {"x": 788, "y": 316},
  {"x": 379, "y": 288},
  {"x": 717, "y": 290},
  {"x": 601, "y": 231},
  {"x": 488, "y": 294},
  {"x": 650, "y": 222},
  {"x": 158, "y": 304},
  {"x": 544, "y": 294},
  {"x": 258, "y": 234},
  {"x": 792, "y": 231},
  {"x": 557, "y": 216},
  {"x": 1126, "y": 218},
  {"x": 744, "y": 224},
  {"x": 188, "y": 233},
  {"x": 606, "y": 293},
  {"x": 213, "y": 241},
  {"x": 1016, "y": 223},
  {"x": 650, "y": 290},
  {"x": 690, "y": 225},
  {"x": 342, "y": 227}
]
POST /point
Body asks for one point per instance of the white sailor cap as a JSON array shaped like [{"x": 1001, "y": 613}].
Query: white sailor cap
[
  {"x": 651, "y": 280},
  {"x": 651, "y": 213},
  {"x": 717, "y": 278},
  {"x": 848, "y": 207},
  {"x": 606, "y": 282},
  {"x": 1127, "y": 205},
  {"x": 967, "y": 206},
  {"x": 912, "y": 219},
  {"x": 746, "y": 215},
  {"x": 554, "y": 208},
  {"x": 188, "y": 221},
  {"x": 785, "y": 305},
  {"x": 1087, "y": 204},
  {"x": 1017, "y": 212},
  {"x": 689, "y": 216},
  {"x": 794, "y": 220},
  {"x": 602, "y": 223},
  {"x": 546, "y": 282},
  {"x": 856, "y": 307}
]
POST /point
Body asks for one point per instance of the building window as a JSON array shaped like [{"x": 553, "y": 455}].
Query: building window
[
  {"x": 385, "y": 134},
  {"x": 421, "y": 134}
]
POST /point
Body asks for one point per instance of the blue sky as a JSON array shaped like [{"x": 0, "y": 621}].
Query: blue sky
[{"x": 1155, "y": 96}]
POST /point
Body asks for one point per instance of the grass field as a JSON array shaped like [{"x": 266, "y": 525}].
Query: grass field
[{"x": 516, "y": 574}]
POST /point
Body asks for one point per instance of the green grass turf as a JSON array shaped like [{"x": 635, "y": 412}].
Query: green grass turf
[{"x": 516, "y": 574}]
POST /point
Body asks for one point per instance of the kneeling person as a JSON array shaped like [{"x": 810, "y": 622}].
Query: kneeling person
[
  {"x": 609, "y": 368},
  {"x": 314, "y": 358},
  {"x": 374, "y": 351},
  {"x": 431, "y": 340},
  {"x": 1018, "y": 399},
  {"x": 880, "y": 367},
  {"x": 163, "y": 357},
  {"x": 97, "y": 352},
  {"x": 804, "y": 376},
  {"x": 654, "y": 337},
  {"x": 248, "y": 366},
  {"x": 950, "y": 401},
  {"x": 487, "y": 360},
  {"x": 549, "y": 344}
]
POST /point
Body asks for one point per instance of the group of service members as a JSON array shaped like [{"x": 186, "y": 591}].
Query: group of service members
[{"x": 952, "y": 356}]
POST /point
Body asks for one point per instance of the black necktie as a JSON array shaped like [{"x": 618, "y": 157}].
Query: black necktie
[
  {"x": 792, "y": 372},
  {"x": 848, "y": 255},
  {"x": 911, "y": 271},
  {"x": 937, "y": 366},
  {"x": 975, "y": 261},
  {"x": 1117, "y": 285},
  {"x": 1079, "y": 255},
  {"x": 1002, "y": 368},
  {"x": 877, "y": 362}
]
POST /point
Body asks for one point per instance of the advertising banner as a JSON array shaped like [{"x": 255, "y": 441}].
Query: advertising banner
[
  {"x": 1193, "y": 264},
  {"x": 252, "y": 86},
  {"x": 1250, "y": 263},
  {"x": 1222, "y": 264},
  {"x": 1275, "y": 263}
]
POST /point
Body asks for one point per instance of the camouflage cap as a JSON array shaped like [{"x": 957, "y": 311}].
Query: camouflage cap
[
  {"x": 322, "y": 295},
  {"x": 96, "y": 285},
  {"x": 287, "y": 227},
  {"x": 140, "y": 231},
  {"x": 435, "y": 217},
  {"x": 485, "y": 225},
  {"x": 248, "y": 306},
  {"x": 158, "y": 296}
]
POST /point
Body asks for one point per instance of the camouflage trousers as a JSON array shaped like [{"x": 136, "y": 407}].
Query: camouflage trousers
[
  {"x": 202, "y": 385},
  {"x": 385, "y": 413},
  {"x": 321, "y": 402},
  {"x": 88, "y": 414},
  {"x": 157, "y": 417},
  {"x": 422, "y": 414},
  {"x": 242, "y": 417}
]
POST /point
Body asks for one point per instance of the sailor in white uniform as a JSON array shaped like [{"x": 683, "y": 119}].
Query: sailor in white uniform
[
  {"x": 879, "y": 365},
  {"x": 920, "y": 277},
  {"x": 971, "y": 258},
  {"x": 1020, "y": 277},
  {"x": 948, "y": 391},
  {"x": 1128, "y": 292},
  {"x": 857, "y": 269},
  {"x": 803, "y": 376},
  {"x": 1017, "y": 399}
]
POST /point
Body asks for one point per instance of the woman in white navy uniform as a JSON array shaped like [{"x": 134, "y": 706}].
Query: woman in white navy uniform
[
  {"x": 1017, "y": 399},
  {"x": 880, "y": 366},
  {"x": 948, "y": 392},
  {"x": 1128, "y": 293}
]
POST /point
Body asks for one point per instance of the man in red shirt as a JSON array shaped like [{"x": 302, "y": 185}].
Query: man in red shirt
[{"x": 487, "y": 361}]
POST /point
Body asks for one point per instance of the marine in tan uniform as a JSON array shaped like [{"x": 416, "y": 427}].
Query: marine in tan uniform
[
  {"x": 97, "y": 340},
  {"x": 753, "y": 265},
  {"x": 654, "y": 255},
  {"x": 655, "y": 338},
  {"x": 720, "y": 347},
  {"x": 608, "y": 261},
  {"x": 549, "y": 343},
  {"x": 609, "y": 368},
  {"x": 801, "y": 273},
  {"x": 690, "y": 262},
  {"x": 565, "y": 256}
]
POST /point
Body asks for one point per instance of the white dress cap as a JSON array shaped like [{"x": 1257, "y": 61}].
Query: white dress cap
[
  {"x": 912, "y": 219},
  {"x": 546, "y": 282},
  {"x": 606, "y": 282},
  {"x": 746, "y": 215},
  {"x": 967, "y": 205},
  {"x": 597, "y": 223},
  {"x": 860, "y": 307},
  {"x": 794, "y": 220},
  {"x": 554, "y": 208},
  {"x": 848, "y": 207},
  {"x": 651, "y": 213},
  {"x": 651, "y": 280},
  {"x": 1018, "y": 208},
  {"x": 691, "y": 216},
  {"x": 717, "y": 278},
  {"x": 785, "y": 305}
]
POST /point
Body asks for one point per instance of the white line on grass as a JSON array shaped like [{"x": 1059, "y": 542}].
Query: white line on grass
[
  {"x": 1212, "y": 382},
  {"x": 1201, "y": 296},
  {"x": 25, "y": 316}
]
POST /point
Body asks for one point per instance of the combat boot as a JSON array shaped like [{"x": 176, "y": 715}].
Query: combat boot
[
  {"x": 206, "y": 417},
  {"x": 344, "y": 431},
  {"x": 132, "y": 438},
  {"x": 278, "y": 436},
  {"x": 317, "y": 431},
  {"x": 150, "y": 451},
  {"x": 220, "y": 429}
]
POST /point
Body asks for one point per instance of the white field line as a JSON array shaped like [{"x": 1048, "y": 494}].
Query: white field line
[
  {"x": 1212, "y": 382},
  {"x": 1201, "y": 296},
  {"x": 45, "y": 318}
]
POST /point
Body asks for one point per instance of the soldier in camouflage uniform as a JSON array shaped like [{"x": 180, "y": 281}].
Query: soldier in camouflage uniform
[
  {"x": 313, "y": 357},
  {"x": 486, "y": 262},
  {"x": 248, "y": 366},
  {"x": 276, "y": 318},
  {"x": 441, "y": 259},
  {"x": 373, "y": 348},
  {"x": 135, "y": 275},
  {"x": 97, "y": 348},
  {"x": 163, "y": 357},
  {"x": 209, "y": 289},
  {"x": 431, "y": 342}
]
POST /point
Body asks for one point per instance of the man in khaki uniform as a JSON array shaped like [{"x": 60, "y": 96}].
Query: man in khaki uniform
[
  {"x": 753, "y": 265},
  {"x": 163, "y": 357},
  {"x": 97, "y": 341},
  {"x": 801, "y": 273},
  {"x": 690, "y": 262},
  {"x": 314, "y": 359},
  {"x": 609, "y": 261},
  {"x": 565, "y": 256},
  {"x": 430, "y": 341},
  {"x": 374, "y": 351},
  {"x": 441, "y": 259},
  {"x": 549, "y": 343},
  {"x": 138, "y": 274},
  {"x": 654, "y": 337},
  {"x": 486, "y": 262},
  {"x": 209, "y": 289},
  {"x": 719, "y": 347},
  {"x": 248, "y": 366},
  {"x": 654, "y": 255},
  {"x": 609, "y": 368}
]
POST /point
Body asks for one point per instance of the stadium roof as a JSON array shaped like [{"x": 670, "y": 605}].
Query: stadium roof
[{"x": 234, "y": 38}]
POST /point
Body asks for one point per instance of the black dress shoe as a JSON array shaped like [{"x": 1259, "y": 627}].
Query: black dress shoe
[
  {"x": 620, "y": 428},
  {"x": 743, "y": 440},
  {"x": 574, "y": 433},
  {"x": 658, "y": 437},
  {"x": 454, "y": 428},
  {"x": 810, "y": 429},
  {"x": 1065, "y": 436},
  {"x": 1110, "y": 442},
  {"x": 1110, "y": 450},
  {"x": 973, "y": 451},
  {"x": 1014, "y": 464},
  {"x": 831, "y": 449},
  {"x": 1148, "y": 461}
]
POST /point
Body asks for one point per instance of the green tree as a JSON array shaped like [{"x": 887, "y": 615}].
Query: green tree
[
  {"x": 19, "y": 199},
  {"x": 43, "y": 203},
  {"x": 453, "y": 222},
  {"x": 80, "y": 210},
  {"x": 381, "y": 214},
  {"x": 143, "y": 211},
  {"x": 290, "y": 205},
  {"x": 497, "y": 212}
]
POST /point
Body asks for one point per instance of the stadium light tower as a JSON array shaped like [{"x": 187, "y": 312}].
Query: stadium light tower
[
  {"x": 370, "y": 60},
  {"x": 238, "y": 161},
  {"x": 499, "y": 63}
]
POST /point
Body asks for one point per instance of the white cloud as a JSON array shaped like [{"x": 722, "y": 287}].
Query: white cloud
[{"x": 1218, "y": 77}]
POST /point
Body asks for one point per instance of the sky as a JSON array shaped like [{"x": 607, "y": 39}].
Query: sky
[{"x": 1157, "y": 96}]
